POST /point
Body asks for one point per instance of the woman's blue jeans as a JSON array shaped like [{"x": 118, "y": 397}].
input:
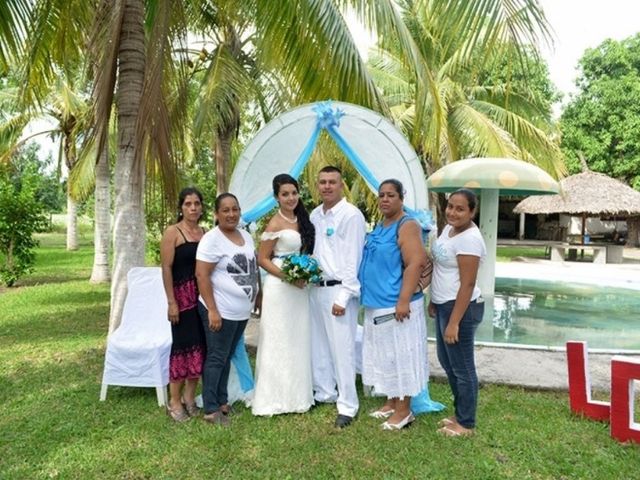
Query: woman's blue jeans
[
  {"x": 458, "y": 360},
  {"x": 220, "y": 348}
]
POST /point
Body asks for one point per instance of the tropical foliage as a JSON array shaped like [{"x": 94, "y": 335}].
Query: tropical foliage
[
  {"x": 478, "y": 102},
  {"x": 175, "y": 79},
  {"x": 602, "y": 121},
  {"x": 21, "y": 215},
  {"x": 13, "y": 22}
]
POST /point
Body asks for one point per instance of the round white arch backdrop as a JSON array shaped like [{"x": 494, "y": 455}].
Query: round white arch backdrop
[{"x": 374, "y": 146}]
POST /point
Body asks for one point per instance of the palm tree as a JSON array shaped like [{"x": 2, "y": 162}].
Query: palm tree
[
  {"x": 305, "y": 43},
  {"x": 66, "y": 109},
  {"x": 70, "y": 111},
  {"x": 244, "y": 72},
  {"x": 122, "y": 69},
  {"x": 458, "y": 116},
  {"x": 50, "y": 47}
]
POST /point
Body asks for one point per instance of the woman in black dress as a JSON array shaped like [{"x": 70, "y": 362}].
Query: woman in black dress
[{"x": 178, "y": 257}]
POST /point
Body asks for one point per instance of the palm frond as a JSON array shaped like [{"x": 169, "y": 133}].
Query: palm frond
[
  {"x": 82, "y": 176},
  {"x": 542, "y": 149},
  {"x": 480, "y": 135},
  {"x": 14, "y": 19},
  {"x": 57, "y": 41},
  {"x": 103, "y": 60},
  {"x": 492, "y": 24},
  {"x": 307, "y": 39},
  {"x": 11, "y": 127},
  {"x": 153, "y": 125},
  {"x": 226, "y": 84},
  {"x": 522, "y": 101},
  {"x": 390, "y": 75}
]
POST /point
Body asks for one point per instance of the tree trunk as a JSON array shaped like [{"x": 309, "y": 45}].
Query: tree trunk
[
  {"x": 100, "y": 272},
  {"x": 440, "y": 202},
  {"x": 225, "y": 136},
  {"x": 128, "y": 226},
  {"x": 633, "y": 232},
  {"x": 70, "y": 159},
  {"x": 72, "y": 223},
  {"x": 228, "y": 131}
]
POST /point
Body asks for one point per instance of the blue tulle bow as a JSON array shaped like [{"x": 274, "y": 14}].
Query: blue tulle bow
[{"x": 327, "y": 116}]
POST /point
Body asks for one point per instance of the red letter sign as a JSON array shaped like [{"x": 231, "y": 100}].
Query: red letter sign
[
  {"x": 623, "y": 372},
  {"x": 580, "y": 384}
]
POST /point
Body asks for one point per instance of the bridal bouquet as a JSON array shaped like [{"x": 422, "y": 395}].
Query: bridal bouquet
[{"x": 301, "y": 267}]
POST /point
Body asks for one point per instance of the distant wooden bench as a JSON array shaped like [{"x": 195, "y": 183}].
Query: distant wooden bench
[{"x": 599, "y": 251}]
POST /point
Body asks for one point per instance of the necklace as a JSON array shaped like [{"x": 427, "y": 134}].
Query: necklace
[{"x": 287, "y": 219}]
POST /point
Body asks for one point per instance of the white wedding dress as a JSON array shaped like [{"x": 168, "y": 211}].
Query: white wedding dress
[{"x": 283, "y": 363}]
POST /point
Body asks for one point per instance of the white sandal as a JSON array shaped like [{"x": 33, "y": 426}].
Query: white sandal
[
  {"x": 380, "y": 413},
  {"x": 405, "y": 422}
]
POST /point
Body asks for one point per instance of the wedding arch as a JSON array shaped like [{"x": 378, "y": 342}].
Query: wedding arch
[{"x": 373, "y": 145}]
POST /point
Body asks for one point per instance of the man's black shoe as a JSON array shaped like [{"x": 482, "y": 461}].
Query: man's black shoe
[{"x": 343, "y": 421}]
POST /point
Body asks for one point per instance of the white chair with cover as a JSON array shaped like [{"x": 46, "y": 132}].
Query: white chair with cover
[{"x": 138, "y": 350}]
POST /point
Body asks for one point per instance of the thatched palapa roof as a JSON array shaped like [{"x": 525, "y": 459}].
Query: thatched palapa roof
[{"x": 587, "y": 193}]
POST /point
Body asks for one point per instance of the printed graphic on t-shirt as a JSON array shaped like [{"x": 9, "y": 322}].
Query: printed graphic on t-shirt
[
  {"x": 245, "y": 273},
  {"x": 439, "y": 252}
]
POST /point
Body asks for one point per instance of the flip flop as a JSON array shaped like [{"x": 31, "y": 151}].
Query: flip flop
[
  {"x": 447, "y": 422},
  {"x": 380, "y": 413},
  {"x": 448, "y": 432},
  {"x": 404, "y": 423}
]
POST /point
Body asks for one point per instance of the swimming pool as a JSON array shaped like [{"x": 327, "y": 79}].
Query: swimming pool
[{"x": 545, "y": 313}]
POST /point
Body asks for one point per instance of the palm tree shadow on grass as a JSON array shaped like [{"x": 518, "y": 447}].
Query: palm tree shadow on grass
[{"x": 93, "y": 324}]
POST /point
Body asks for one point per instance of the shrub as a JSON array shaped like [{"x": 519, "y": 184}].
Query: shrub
[{"x": 21, "y": 215}]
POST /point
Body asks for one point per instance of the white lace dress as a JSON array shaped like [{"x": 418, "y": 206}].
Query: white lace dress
[{"x": 283, "y": 364}]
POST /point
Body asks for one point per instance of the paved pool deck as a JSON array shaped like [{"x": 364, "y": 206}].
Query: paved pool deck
[{"x": 539, "y": 367}]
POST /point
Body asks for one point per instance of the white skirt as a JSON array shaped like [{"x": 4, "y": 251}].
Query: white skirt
[{"x": 394, "y": 354}]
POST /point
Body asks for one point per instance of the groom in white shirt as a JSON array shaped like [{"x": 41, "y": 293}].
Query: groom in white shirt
[{"x": 340, "y": 231}]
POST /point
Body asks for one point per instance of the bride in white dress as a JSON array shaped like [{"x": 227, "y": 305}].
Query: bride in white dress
[{"x": 283, "y": 364}]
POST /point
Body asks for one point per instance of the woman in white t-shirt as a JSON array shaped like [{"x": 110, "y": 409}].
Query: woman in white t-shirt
[
  {"x": 227, "y": 274},
  {"x": 458, "y": 307}
]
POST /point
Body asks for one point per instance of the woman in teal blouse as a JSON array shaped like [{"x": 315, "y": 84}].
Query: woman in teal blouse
[{"x": 394, "y": 345}]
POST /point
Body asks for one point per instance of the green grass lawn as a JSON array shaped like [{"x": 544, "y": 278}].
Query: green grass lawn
[
  {"x": 505, "y": 254},
  {"x": 52, "y": 338}
]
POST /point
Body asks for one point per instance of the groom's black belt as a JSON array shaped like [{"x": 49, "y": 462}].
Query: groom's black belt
[{"x": 329, "y": 283}]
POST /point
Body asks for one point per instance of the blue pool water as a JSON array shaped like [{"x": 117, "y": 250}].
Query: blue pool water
[{"x": 534, "y": 312}]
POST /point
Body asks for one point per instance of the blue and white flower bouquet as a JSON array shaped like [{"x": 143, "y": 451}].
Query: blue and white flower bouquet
[{"x": 301, "y": 267}]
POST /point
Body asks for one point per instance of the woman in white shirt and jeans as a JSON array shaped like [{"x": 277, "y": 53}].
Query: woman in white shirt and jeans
[
  {"x": 457, "y": 307},
  {"x": 227, "y": 274}
]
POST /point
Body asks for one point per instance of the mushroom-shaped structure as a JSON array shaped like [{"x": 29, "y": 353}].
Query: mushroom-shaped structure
[{"x": 491, "y": 177}]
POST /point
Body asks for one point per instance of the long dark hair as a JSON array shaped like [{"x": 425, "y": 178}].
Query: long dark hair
[
  {"x": 183, "y": 196},
  {"x": 307, "y": 232}
]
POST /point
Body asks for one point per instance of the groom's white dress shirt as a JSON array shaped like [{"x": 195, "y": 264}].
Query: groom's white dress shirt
[{"x": 340, "y": 233}]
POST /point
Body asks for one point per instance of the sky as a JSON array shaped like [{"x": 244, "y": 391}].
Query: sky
[{"x": 582, "y": 24}]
